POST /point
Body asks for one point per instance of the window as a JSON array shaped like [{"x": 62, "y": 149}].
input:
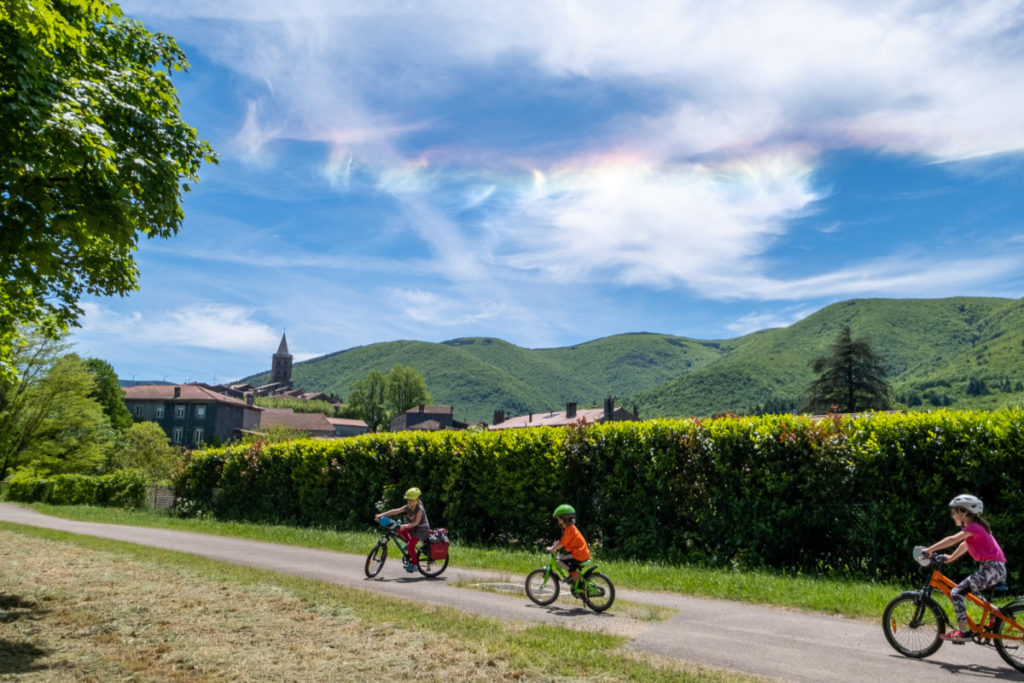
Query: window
[
  {"x": 200, "y": 412},
  {"x": 159, "y": 411},
  {"x": 138, "y": 411},
  {"x": 179, "y": 412},
  {"x": 176, "y": 436},
  {"x": 199, "y": 436}
]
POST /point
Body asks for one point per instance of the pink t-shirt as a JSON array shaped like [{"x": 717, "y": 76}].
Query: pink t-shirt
[{"x": 982, "y": 545}]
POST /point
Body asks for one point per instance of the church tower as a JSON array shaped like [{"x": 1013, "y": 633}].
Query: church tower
[{"x": 281, "y": 365}]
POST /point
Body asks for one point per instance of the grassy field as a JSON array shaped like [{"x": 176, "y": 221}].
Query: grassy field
[
  {"x": 856, "y": 599},
  {"x": 88, "y": 609}
]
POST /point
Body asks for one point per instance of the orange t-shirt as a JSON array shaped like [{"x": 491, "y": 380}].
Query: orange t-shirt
[{"x": 573, "y": 541}]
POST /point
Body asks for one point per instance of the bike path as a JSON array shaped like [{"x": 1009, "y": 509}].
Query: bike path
[{"x": 775, "y": 643}]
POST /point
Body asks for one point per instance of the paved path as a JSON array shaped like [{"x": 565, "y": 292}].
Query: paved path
[{"x": 775, "y": 643}]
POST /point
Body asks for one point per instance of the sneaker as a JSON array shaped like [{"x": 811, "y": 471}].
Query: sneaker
[
  {"x": 958, "y": 637},
  {"x": 409, "y": 568}
]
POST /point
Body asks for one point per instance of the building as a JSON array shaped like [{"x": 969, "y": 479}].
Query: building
[
  {"x": 191, "y": 415},
  {"x": 313, "y": 424},
  {"x": 571, "y": 415},
  {"x": 280, "y": 382},
  {"x": 425, "y": 418}
]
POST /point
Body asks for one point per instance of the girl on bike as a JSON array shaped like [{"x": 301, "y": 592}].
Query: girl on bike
[
  {"x": 975, "y": 537},
  {"x": 572, "y": 541},
  {"x": 416, "y": 527}
]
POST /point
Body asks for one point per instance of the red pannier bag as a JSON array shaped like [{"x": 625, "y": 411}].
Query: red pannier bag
[{"x": 438, "y": 544}]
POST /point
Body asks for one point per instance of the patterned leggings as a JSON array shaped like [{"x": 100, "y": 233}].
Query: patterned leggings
[{"x": 990, "y": 573}]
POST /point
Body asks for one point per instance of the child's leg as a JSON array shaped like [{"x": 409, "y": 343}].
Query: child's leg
[
  {"x": 989, "y": 574},
  {"x": 410, "y": 544},
  {"x": 563, "y": 561}
]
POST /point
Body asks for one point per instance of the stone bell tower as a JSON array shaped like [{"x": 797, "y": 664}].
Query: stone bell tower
[{"x": 281, "y": 365}]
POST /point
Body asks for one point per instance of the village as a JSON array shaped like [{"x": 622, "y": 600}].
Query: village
[{"x": 197, "y": 414}]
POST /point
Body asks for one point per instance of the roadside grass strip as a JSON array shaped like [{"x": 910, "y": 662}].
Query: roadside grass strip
[
  {"x": 839, "y": 596},
  {"x": 85, "y": 608}
]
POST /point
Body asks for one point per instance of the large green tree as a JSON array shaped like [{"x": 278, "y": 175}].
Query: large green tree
[
  {"x": 107, "y": 392},
  {"x": 851, "y": 377},
  {"x": 367, "y": 397},
  {"x": 404, "y": 389},
  {"x": 48, "y": 422},
  {"x": 95, "y": 156},
  {"x": 145, "y": 446}
]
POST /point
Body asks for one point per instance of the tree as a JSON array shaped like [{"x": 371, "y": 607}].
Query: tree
[
  {"x": 107, "y": 392},
  {"x": 405, "y": 388},
  {"x": 95, "y": 155},
  {"x": 850, "y": 378},
  {"x": 47, "y": 420},
  {"x": 367, "y": 396},
  {"x": 145, "y": 446}
]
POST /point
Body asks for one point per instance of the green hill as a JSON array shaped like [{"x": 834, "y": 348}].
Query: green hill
[{"x": 935, "y": 351}]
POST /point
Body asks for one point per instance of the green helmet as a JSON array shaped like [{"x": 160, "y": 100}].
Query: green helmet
[
  {"x": 563, "y": 510},
  {"x": 412, "y": 494}
]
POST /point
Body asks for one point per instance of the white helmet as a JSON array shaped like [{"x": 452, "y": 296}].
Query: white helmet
[{"x": 967, "y": 502}]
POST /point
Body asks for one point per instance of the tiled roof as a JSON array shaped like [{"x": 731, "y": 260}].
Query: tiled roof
[
  {"x": 556, "y": 419},
  {"x": 189, "y": 392},
  {"x": 433, "y": 410},
  {"x": 345, "y": 422},
  {"x": 286, "y": 417}
]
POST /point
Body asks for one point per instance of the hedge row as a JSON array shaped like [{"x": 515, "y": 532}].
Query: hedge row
[
  {"x": 124, "y": 488},
  {"x": 836, "y": 495}
]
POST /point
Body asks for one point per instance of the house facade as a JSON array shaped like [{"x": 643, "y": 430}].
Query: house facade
[
  {"x": 191, "y": 415},
  {"x": 425, "y": 417}
]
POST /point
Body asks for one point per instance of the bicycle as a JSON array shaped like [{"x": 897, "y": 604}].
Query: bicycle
[
  {"x": 913, "y": 620},
  {"x": 426, "y": 564},
  {"x": 592, "y": 587}
]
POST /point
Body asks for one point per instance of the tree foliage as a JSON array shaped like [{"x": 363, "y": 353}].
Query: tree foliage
[
  {"x": 95, "y": 155},
  {"x": 48, "y": 422},
  {"x": 850, "y": 378},
  {"x": 378, "y": 397},
  {"x": 107, "y": 392},
  {"x": 367, "y": 397},
  {"x": 405, "y": 388},
  {"x": 145, "y": 447}
]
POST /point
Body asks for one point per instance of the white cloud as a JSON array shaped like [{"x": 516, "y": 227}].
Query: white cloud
[
  {"x": 438, "y": 311},
  {"x": 653, "y": 225},
  {"x": 205, "y": 326}
]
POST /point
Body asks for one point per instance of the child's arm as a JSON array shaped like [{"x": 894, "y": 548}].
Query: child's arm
[
  {"x": 555, "y": 546},
  {"x": 948, "y": 541},
  {"x": 391, "y": 513},
  {"x": 960, "y": 550}
]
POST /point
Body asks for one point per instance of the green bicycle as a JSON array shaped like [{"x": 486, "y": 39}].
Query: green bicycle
[{"x": 592, "y": 587}]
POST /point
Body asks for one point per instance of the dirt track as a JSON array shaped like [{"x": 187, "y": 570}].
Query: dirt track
[{"x": 783, "y": 644}]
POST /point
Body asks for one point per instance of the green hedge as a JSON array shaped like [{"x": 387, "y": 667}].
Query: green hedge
[
  {"x": 124, "y": 488},
  {"x": 845, "y": 496}
]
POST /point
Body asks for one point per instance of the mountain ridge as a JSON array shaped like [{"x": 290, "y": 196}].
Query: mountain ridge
[{"x": 932, "y": 349}]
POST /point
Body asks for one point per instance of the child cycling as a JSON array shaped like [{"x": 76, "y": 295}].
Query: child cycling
[
  {"x": 572, "y": 541},
  {"x": 416, "y": 528},
  {"x": 975, "y": 537}
]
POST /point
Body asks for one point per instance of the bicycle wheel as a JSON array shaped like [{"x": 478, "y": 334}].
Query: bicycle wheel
[
  {"x": 1011, "y": 650},
  {"x": 598, "y": 591},
  {"x": 541, "y": 587},
  {"x": 375, "y": 560},
  {"x": 428, "y": 566},
  {"x": 913, "y": 627}
]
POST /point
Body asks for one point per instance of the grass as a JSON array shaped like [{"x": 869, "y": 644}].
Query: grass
[
  {"x": 851, "y": 598},
  {"x": 90, "y": 609}
]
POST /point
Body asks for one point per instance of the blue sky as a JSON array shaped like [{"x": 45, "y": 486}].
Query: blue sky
[{"x": 554, "y": 172}]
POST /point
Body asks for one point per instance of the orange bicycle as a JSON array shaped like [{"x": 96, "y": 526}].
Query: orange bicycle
[{"x": 913, "y": 620}]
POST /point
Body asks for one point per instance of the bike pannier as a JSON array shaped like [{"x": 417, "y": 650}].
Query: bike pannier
[{"x": 438, "y": 544}]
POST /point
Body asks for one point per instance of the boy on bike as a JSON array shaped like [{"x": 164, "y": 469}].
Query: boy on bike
[
  {"x": 572, "y": 541},
  {"x": 416, "y": 528}
]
